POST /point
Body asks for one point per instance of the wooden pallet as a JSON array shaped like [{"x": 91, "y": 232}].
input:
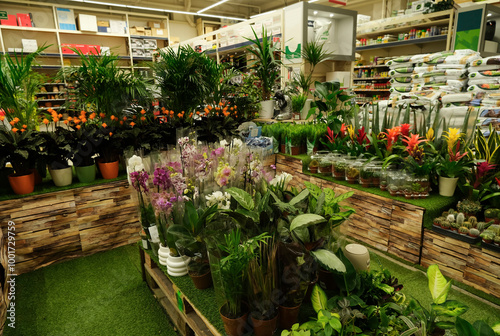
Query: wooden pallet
[
  {"x": 71, "y": 223},
  {"x": 186, "y": 318}
]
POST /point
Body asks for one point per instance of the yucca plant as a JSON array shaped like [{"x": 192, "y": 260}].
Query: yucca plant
[{"x": 265, "y": 65}]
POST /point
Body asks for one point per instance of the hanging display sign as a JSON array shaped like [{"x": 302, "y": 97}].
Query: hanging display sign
[{"x": 343, "y": 3}]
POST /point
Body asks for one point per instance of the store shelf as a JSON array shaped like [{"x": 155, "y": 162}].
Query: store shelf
[
  {"x": 234, "y": 46},
  {"x": 150, "y": 37},
  {"x": 404, "y": 29},
  {"x": 50, "y": 93},
  {"x": 371, "y": 90},
  {"x": 49, "y": 100},
  {"x": 28, "y": 53},
  {"x": 46, "y": 66},
  {"x": 53, "y": 108},
  {"x": 403, "y": 43},
  {"x": 372, "y": 78},
  {"x": 142, "y": 58},
  {"x": 78, "y": 32},
  {"x": 34, "y": 29},
  {"x": 370, "y": 66}
]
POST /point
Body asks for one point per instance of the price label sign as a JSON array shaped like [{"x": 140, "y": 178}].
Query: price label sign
[{"x": 3, "y": 15}]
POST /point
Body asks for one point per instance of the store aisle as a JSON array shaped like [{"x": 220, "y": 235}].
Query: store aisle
[{"x": 99, "y": 295}]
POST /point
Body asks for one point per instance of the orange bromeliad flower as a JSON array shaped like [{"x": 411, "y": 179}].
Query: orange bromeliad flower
[
  {"x": 15, "y": 130},
  {"x": 76, "y": 121},
  {"x": 392, "y": 136},
  {"x": 143, "y": 118},
  {"x": 191, "y": 115},
  {"x": 22, "y": 130},
  {"x": 143, "y": 112},
  {"x": 121, "y": 122},
  {"x": 110, "y": 133},
  {"x": 132, "y": 124},
  {"x": 102, "y": 115},
  {"x": 84, "y": 120},
  {"x": 45, "y": 121},
  {"x": 412, "y": 143},
  {"x": 70, "y": 118},
  {"x": 134, "y": 117},
  {"x": 25, "y": 126},
  {"x": 179, "y": 115},
  {"x": 78, "y": 126},
  {"x": 104, "y": 125},
  {"x": 92, "y": 116},
  {"x": 112, "y": 117},
  {"x": 65, "y": 122}
]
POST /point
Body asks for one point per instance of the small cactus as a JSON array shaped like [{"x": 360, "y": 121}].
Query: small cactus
[
  {"x": 460, "y": 219},
  {"x": 473, "y": 221},
  {"x": 445, "y": 214},
  {"x": 451, "y": 211},
  {"x": 445, "y": 224},
  {"x": 487, "y": 235},
  {"x": 438, "y": 221},
  {"x": 450, "y": 218},
  {"x": 463, "y": 230},
  {"x": 481, "y": 226},
  {"x": 454, "y": 225},
  {"x": 474, "y": 232},
  {"x": 490, "y": 213},
  {"x": 467, "y": 224}
]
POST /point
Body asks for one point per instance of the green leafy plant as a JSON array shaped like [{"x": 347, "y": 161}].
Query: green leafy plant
[
  {"x": 479, "y": 328},
  {"x": 298, "y": 102},
  {"x": 266, "y": 66}
]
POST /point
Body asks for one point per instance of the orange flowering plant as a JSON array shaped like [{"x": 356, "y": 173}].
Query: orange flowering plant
[
  {"x": 19, "y": 140},
  {"x": 216, "y": 122},
  {"x": 57, "y": 140}
]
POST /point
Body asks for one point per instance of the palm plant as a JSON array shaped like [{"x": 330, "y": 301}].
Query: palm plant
[
  {"x": 186, "y": 78},
  {"x": 265, "y": 65}
]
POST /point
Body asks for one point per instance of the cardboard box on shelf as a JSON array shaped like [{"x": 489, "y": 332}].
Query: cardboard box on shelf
[
  {"x": 148, "y": 53},
  {"x": 29, "y": 45},
  {"x": 159, "y": 32},
  {"x": 101, "y": 29},
  {"x": 65, "y": 48},
  {"x": 150, "y": 44},
  {"x": 174, "y": 40},
  {"x": 87, "y": 22},
  {"x": 147, "y": 31},
  {"x": 24, "y": 20},
  {"x": 66, "y": 19},
  {"x": 137, "y": 30},
  {"x": 136, "y": 43},
  {"x": 155, "y": 24},
  {"x": 102, "y": 23},
  {"x": 138, "y": 52},
  {"x": 11, "y": 21},
  {"x": 117, "y": 27}
]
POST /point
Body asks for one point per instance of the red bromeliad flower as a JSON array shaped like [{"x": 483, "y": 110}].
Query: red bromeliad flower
[
  {"x": 412, "y": 143},
  {"x": 330, "y": 135},
  {"x": 392, "y": 136},
  {"x": 456, "y": 156},
  {"x": 361, "y": 137},
  {"x": 498, "y": 181},
  {"x": 343, "y": 130},
  {"x": 482, "y": 169},
  {"x": 405, "y": 129}
]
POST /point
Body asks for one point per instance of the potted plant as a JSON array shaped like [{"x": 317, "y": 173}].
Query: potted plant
[
  {"x": 313, "y": 166},
  {"x": 19, "y": 139},
  {"x": 84, "y": 146},
  {"x": 237, "y": 254},
  {"x": 267, "y": 67},
  {"x": 366, "y": 176},
  {"x": 298, "y": 102},
  {"x": 102, "y": 87},
  {"x": 295, "y": 136}
]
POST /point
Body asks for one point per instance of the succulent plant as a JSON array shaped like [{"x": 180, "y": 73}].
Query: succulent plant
[
  {"x": 445, "y": 214},
  {"x": 314, "y": 163},
  {"x": 481, "y": 226},
  {"x": 487, "y": 235},
  {"x": 450, "y": 218},
  {"x": 490, "y": 213},
  {"x": 460, "y": 218},
  {"x": 473, "y": 221},
  {"x": 454, "y": 225},
  {"x": 469, "y": 206},
  {"x": 451, "y": 211},
  {"x": 463, "y": 230},
  {"x": 467, "y": 224},
  {"x": 438, "y": 220},
  {"x": 497, "y": 240},
  {"x": 474, "y": 232},
  {"x": 445, "y": 224}
]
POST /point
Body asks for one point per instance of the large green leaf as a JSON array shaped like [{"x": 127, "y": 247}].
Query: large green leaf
[
  {"x": 306, "y": 220},
  {"x": 300, "y": 197},
  {"x": 496, "y": 328},
  {"x": 483, "y": 329},
  {"x": 464, "y": 328},
  {"x": 318, "y": 298},
  {"x": 438, "y": 285},
  {"x": 242, "y": 197},
  {"x": 343, "y": 196},
  {"x": 329, "y": 260},
  {"x": 449, "y": 308}
]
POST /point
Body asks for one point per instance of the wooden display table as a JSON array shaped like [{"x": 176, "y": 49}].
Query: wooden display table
[{"x": 71, "y": 223}]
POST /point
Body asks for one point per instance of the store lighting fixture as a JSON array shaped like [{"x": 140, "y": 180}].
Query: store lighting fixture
[
  {"x": 311, "y": 1},
  {"x": 159, "y": 10},
  {"x": 315, "y": 12},
  {"x": 257, "y": 15},
  {"x": 331, "y": 15},
  {"x": 489, "y": 14},
  {"x": 212, "y": 6}
]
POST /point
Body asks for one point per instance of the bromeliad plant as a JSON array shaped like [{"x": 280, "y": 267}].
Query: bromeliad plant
[{"x": 453, "y": 163}]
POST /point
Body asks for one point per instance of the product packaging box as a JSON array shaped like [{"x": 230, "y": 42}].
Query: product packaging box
[
  {"x": 93, "y": 49},
  {"x": 148, "y": 53},
  {"x": 155, "y": 24},
  {"x": 65, "y": 48},
  {"x": 66, "y": 19},
  {"x": 87, "y": 22},
  {"x": 159, "y": 32},
  {"x": 101, "y": 29},
  {"x": 150, "y": 44},
  {"x": 29, "y": 45},
  {"x": 23, "y": 20},
  {"x": 137, "y": 30},
  {"x": 137, "y": 52},
  {"x": 102, "y": 23},
  {"x": 117, "y": 27},
  {"x": 147, "y": 31},
  {"x": 11, "y": 21},
  {"x": 136, "y": 43}
]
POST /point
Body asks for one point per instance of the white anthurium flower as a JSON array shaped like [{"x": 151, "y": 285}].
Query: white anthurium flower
[
  {"x": 221, "y": 199},
  {"x": 135, "y": 161},
  {"x": 223, "y": 143},
  {"x": 237, "y": 143},
  {"x": 281, "y": 180}
]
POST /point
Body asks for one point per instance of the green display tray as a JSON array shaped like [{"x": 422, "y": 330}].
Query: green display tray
[{"x": 456, "y": 235}]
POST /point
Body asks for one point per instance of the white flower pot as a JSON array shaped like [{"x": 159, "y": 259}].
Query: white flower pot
[
  {"x": 266, "y": 109},
  {"x": 163, "y": 254},
  {"x": 447, "y": 186},
  {"x": 305, "y": 109},
  {"x": 177, "y": 266},
  {"x": 359, "y": 257},
  {"x": 61, "y": 177}
]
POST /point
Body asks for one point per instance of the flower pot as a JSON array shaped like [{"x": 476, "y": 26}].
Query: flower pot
[
  {"x": 61, "y": 177},
  {"x": 266, "y": 109},
  {"x": 447, "y": 186},
  {"x": 358, "y": 256},
  {"x": 313, "y": 170},
  {"x": 177, "y": 266},
  {"x": 163, "y": 254},
  {"x": 265, "y": 327},
  {"x": 236, "y": 326},
  {"x": 85, "y": 174},
  {"x": 305, "y": 110},
  {"x": 365, "y": 183},
  {"x": 203, "y": 281},
  {"x": 38, "y": 178},
  {"x": 282, "y": 148},
  {"x": 326, "y": 279},
  {"x": 288, "y": 316},
  {"x": 109, "y": 170},
  {"x": 295, "y": 150},
  {"x": 23, "y": 184},
  {"x": 487, "y": 241}
]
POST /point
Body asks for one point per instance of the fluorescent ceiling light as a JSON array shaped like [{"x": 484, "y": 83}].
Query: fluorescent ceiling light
[
  {"x": 331, "y": 15},
  {"x": 211, "y": 6},
  {"x": 310, "y": 1},
  {"x": 257, "y": 15},
  {"x": 158, "y": 9},
  {"x": 489, "y": 14},
  {"x": 315, "y": 12}
]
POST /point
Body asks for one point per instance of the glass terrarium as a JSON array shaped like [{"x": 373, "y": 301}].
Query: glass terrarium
[
  {"x": 395, "y": 182},
  {"x": 377, "y": 173},
  {"x": 353, "y": 169},
  {"x": 366, "y": 175},
  {"x": 339, "y": 166},
  {"x": 325, "y": 165},
  {"x": 421, "y": 186}
]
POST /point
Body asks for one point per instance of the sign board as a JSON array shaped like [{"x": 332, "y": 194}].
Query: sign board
[{"x": 3, "y": 15}]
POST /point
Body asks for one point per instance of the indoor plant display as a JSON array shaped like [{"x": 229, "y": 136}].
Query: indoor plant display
[
  {"x": 237, "y": 253},
  {"x": 298, "y": 102},
  {"x": 84, "y": 145},
  {"x": 19, "y": 140},
  {"x": 267, "y": 67},
  {"x": 295, "y": 137}
]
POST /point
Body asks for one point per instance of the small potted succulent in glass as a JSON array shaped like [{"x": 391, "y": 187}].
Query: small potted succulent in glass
[
  {"x": 325, "y": 165},
  {"x": 313, "y": 166},
  {"x": 339, "y": 169},
  {"x": 366, "y": 176}
]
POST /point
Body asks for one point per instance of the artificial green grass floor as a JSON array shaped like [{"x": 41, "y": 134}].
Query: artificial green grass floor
[{"x": 102, "y": 294}]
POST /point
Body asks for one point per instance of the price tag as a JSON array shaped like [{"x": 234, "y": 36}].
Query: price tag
[
  {"x": 3, "y": 15},
  {"x": 145, "y": 244},
  {"x": 153, "y": 232}
]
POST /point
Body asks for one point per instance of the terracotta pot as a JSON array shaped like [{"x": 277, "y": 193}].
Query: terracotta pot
[
  {"x": 295, "y": 150},
  {"x": 265, "y": 327},
  {"x": 288, "y": 316},
  {"x": 109, "y": 170},
  {"x": 282, "y": 148},
  {"x": 313, "y": 170},
  {"x": 203, "y": 281},
  {"x": 365, "y": 183},
  {"x": 23, "y": 184},
  {"x": 237, "y": 326},
  {"x": 38, "y": 178}
]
